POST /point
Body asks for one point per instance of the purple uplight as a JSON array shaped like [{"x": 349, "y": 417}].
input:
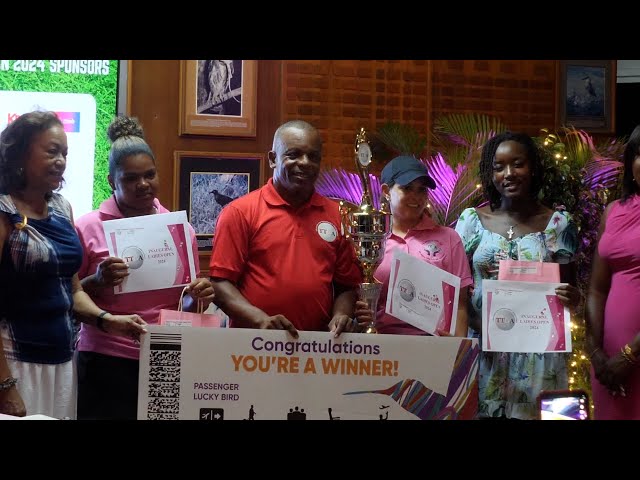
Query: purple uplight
[
  {"x": 342, "y": 185},
  {"x": 455, "y": 190}
]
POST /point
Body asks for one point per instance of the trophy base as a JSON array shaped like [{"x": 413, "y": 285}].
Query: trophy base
[
  {"x": 370, "y": 329},
  {"x": 370, "y": 294}
]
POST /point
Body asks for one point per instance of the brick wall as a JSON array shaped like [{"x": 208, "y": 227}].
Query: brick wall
[{"x": 340, "y": 96}]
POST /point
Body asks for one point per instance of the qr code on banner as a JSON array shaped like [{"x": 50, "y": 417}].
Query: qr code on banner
[
  {"x": 164, "y": 357},
  {"x": 162, "y": 416},
  {"x": 164, "y": 389},
  {"x": 164, "y": 377},
  {"x": 164, "y": 374},
  {"x": 163, "y": 405}
]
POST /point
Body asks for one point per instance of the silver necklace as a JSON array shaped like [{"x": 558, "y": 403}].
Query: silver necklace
[{"x": 510, "y": 232}]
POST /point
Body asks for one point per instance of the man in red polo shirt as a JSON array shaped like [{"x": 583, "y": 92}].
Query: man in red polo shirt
[{"x": 279, "y": 259}]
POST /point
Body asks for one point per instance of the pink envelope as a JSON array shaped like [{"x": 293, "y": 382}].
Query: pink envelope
[{"x": 518, "y": 270}]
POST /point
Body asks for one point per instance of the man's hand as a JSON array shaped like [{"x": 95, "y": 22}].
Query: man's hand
[
  {"x": 343, "y": 323},
  {"x": 279, "y": 322},
  {"x": 364, "y": 315},
  {"x": 201, "y": 289}
]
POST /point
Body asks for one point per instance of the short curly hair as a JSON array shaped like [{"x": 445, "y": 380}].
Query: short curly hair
[
  {"x": 486, "y": 165},
  {"x": 15, "y": 141}
]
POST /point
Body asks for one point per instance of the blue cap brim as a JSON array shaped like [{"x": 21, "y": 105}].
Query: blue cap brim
[{"x": 407, "y": 177}]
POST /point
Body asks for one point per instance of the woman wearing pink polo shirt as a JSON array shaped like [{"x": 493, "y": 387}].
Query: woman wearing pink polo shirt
[
  {"x": 108, "y": 365},
  {"x": 405, "y": 181}
]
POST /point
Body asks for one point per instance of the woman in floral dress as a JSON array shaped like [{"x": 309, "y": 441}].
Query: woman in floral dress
[{"x": 515, "y": 225}]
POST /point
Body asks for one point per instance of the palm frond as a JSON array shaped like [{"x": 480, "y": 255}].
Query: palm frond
[
  {"x": 463, "y": 129},
  {"x": 339, "y": 184},
  {"x": 578, "y": 146},
  {"x": 602, "y": 173},
  {"x": 456, "y": 189},
  {"x": 611, "y": 148},
  {"x": 401, "y": 139}
]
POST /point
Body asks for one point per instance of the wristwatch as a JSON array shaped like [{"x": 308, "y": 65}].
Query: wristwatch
[{"x": 100, "y": 321}]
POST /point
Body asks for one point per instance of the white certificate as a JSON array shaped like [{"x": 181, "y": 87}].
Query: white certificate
[
  {"x": 422, "y": 295},
  {"x": 524, "y": 317},
  {"x": 157, "y": 249}
]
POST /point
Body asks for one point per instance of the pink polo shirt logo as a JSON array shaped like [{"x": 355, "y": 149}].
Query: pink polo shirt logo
[{"x": 432, "y": 249}]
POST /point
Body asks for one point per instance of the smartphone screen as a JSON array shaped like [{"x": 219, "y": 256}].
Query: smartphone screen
[{"x": 564, "y": 405}]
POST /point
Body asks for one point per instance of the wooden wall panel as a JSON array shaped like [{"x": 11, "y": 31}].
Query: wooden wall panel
[
  {"x": 155, "y": 100},
  {"x": 520, "y": 92},
  {"x": 339, "y": 96}
]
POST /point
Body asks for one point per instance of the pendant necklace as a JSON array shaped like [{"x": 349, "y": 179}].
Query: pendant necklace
[{"x": 510, "y": 232}]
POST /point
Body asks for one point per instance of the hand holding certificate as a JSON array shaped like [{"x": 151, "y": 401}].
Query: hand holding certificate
[
  {"x": 422, "y": 295},
  {"x": 156, "y": 248},
  {"x": 524, "y": 317}
]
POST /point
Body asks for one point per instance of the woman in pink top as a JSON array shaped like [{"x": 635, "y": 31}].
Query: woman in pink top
[
  {"x": 613, "y": 312},
  {"x": 108, "y": 365},
  {"x": 405, "y": 181}
]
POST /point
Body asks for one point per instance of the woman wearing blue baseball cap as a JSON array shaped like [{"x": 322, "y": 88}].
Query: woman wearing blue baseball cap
[{"x": 405, "y": 183}]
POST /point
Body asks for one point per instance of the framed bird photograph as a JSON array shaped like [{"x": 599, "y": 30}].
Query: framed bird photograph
[
  {"x": 586, "y": 95},
  {"x": 206, "y": 182},
  {"x": 218, "y": 97}
]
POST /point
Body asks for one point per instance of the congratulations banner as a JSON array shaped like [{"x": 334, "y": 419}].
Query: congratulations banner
[{"x": 215, "y": 374}]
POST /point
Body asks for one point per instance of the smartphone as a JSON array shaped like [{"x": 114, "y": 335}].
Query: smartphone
[{"x": 563, "y": 405}]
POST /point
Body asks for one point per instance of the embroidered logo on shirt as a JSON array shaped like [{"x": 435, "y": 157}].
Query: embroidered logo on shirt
[
  {"x": 432, "y": 250},
  {"x": 327, "y": 231}
]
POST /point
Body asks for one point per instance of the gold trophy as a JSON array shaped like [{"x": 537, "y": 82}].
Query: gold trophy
[{"x": 367, "y": 229}]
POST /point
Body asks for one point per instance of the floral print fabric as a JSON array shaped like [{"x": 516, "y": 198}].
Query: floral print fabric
[{"x": 509, "y": 383}]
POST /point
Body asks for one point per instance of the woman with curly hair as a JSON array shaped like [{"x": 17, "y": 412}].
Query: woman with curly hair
[
  {"x": 108, "y": 365},
  {"x": 515, "y": 225}
]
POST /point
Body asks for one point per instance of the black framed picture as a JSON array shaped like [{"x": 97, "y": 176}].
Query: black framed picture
[
  {"x": 206, "y": 182},
  {"x": 218, "y": 97},
  {"x": 586, "y": 95}
]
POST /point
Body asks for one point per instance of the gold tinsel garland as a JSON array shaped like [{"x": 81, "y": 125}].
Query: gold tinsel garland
[{"x": 579, "y": 366}]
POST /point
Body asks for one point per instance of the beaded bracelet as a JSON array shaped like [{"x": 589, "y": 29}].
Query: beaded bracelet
[
  {"x": 625, "y": 354},
  {"x": 8, "y": 383},
  {"x": 629, "y": 352}
]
